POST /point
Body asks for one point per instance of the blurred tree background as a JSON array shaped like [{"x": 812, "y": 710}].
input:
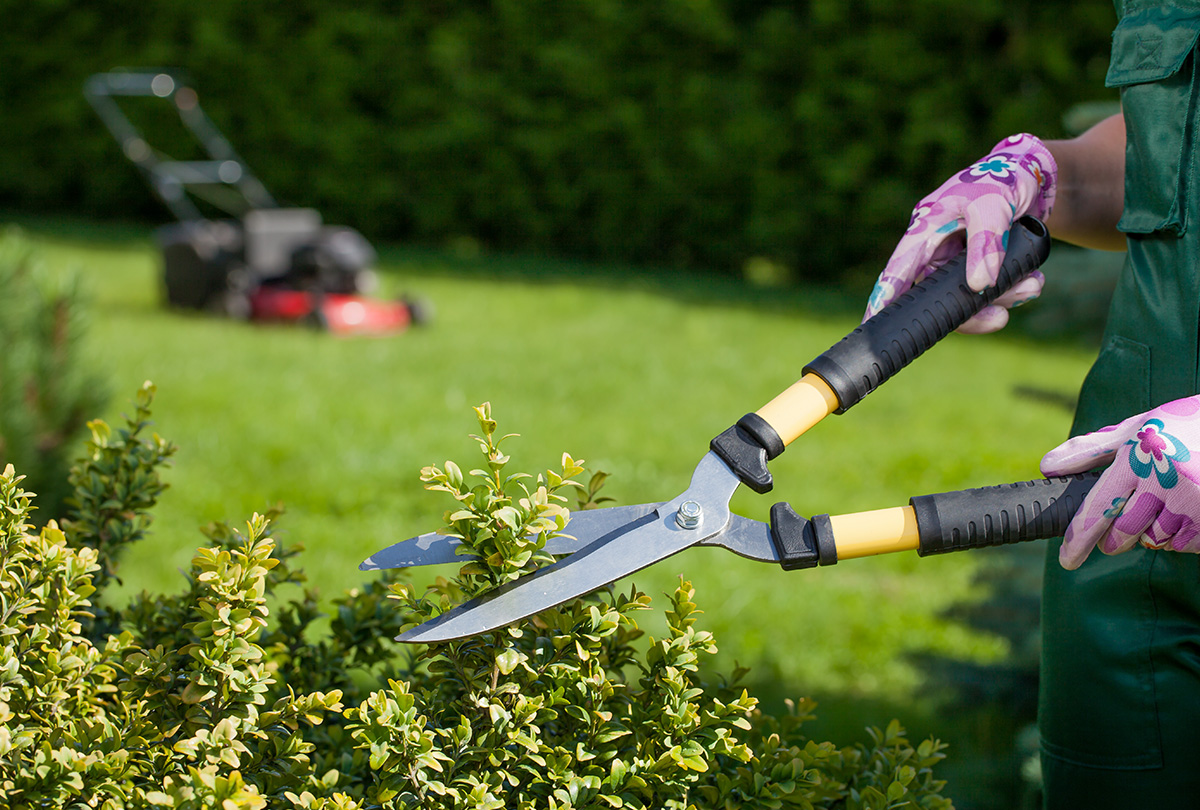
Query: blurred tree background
[{"x": 697, "y": 133}]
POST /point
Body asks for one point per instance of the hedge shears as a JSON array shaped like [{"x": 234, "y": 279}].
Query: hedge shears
[{"x": 606, "y": 545}]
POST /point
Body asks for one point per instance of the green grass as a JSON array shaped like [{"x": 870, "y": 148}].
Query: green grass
[{"x": 633, "y": 375}]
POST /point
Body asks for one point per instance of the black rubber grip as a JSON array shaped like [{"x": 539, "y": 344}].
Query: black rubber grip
[
  {"x": 995, "y": 516},
  {"x": 932, "y": 309},
  {"x": 746, "y": 448},
  {"x": 799, "y": 542}
]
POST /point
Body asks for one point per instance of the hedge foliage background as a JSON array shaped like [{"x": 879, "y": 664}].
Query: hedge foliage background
[{"x": 696, "y": 132}]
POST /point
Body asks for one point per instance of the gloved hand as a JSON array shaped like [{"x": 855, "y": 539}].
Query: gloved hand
[
  {"x": 1016, "y": 178},
  {"x": 1150, "y": 493}
]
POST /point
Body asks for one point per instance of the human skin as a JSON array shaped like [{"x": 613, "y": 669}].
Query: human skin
[{"x": 1091, "y": 186}]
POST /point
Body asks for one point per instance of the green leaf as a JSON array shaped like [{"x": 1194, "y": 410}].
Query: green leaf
[
  {"x": 509, "y": 517},
  {"x": 194, "y": 693},
  {"x": 509, "y": 660}
]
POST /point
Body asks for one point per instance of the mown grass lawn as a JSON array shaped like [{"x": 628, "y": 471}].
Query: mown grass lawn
[{"x": 634, "y": 375}]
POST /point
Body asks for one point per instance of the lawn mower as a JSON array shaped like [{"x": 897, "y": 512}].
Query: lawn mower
[{"x": 259, "y": 261}]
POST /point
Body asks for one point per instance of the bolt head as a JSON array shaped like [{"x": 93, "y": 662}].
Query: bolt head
[{"x": 688, "y": 515}]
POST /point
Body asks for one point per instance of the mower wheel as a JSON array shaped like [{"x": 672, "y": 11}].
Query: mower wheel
[
  {"x": 198, "y": 258},
  {"x": 232, "y": 304},
  {"x": 420, "y": 310}
]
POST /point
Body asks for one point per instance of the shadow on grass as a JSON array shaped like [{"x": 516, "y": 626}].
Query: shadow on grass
[
  {"x": 985, "y": 712},
  {"x": 1071, "y": 310},
  {"x": 89, "y": 232},
  {"x": 700, "y": 287},
  {"x": 989, "y": 746}
]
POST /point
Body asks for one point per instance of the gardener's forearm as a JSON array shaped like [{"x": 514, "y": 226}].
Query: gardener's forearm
[{"x": 1091, "y": 186}]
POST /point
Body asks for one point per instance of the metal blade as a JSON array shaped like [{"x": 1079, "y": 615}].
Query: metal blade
[
  {"x": 618, "y": 554},
  {"x": 433, "y": 548},
  {"x": 748, "y": 538},
  {"x": 430, "y": 548}
]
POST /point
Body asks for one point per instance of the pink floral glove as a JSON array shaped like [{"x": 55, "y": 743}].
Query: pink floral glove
[
  {"x": 1150, "y": 493},
  {"x": 975, "y": 208}
]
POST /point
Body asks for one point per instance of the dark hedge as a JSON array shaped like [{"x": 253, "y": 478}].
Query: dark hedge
[{"x": 693, "y": 132}]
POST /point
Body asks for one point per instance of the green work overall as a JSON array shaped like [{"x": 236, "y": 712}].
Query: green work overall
[{"x": 1120, "y": 698}]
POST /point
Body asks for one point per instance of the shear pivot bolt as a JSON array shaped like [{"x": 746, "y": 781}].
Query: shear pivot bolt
[{"x": 688, "y": 516}]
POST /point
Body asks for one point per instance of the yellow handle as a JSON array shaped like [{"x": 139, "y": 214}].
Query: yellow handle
[
  {"x": 799, "y": 408},
  {"x": 882, "y": 531}
]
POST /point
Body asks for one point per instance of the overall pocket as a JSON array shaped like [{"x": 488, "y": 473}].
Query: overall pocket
[
  {"x": 1117, "y": 386},
  {"x": 1154, "y": 65}
]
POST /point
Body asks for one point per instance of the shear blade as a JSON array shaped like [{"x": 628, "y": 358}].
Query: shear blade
[
  {"x": 610, "y": 557},
  {"x": 558, "y": 583},
  {"x": 434, "y": 548}
]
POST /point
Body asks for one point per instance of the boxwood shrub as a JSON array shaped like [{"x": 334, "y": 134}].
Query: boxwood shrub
[{"x": 225, "y": 695}]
